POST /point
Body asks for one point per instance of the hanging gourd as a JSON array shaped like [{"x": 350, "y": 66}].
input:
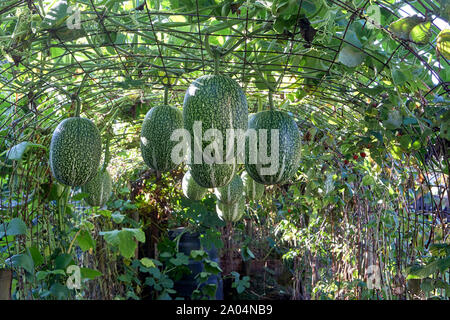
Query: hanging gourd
[
  {"x": 99, "y": 189},
  {"x": 191, "y": 189},
  {"x": 75, "y": 150},
  {"x": 212, "y": 105},
  {"x": 156, "y": 146},
  {"x": 280, "y": 159},
  {"x": 232, "y": 192}
]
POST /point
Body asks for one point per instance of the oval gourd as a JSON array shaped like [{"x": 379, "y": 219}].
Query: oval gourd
[
  {"x": 287, "y": 162},
  {"x": 231, "y": 212},
  {"x": 215, "y": 102},
  {"x": 157, "y": 128},
  {"x": 232, "y": 192},
  {"x": 191, "y": 189},
  {"x": 75, "y": 151},
  {"x": 252, "y": 189},
  {"x": 99, "y": 189}
]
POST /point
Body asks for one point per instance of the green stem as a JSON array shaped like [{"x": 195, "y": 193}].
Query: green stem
[
  {"x": 166, "y": 95},
  {"x": 214, "y": 53},
  {"x": 107, "y": 156},
  {"x": 260, "y": 104},
  {"x": 216, "y": 64},
  {"x": 78, "y": 105},
  {"x": 270, "y": 100}
]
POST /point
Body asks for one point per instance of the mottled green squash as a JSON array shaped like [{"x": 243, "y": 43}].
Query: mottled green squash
[
  {"x": 289, "y": 147},
  {"x": 231, "y": 212},
  {"x": 217, "y": 102},
  {"x": 191, "y": 189},
  {"x": 252, "y": 189},
  {"x": 75, "y": 151},
  {"x": 232, "y": 192},
  {"x": 99, "y": 189},
  {"x": 156, "y": 146}
]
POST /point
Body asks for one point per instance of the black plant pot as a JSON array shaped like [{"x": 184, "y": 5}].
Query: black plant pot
[
  {"x": 186, "y": 285},
  {"x": 5, "y": 284}
]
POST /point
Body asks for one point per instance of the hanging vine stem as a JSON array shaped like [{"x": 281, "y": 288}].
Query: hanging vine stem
[
  {"x": 107, "y": 155},
  {"x": 166, "y": 95},
  {"x": 77, "y": 101},
  {"x": 215, "y": 53},
  {"x": 218, "y": 53},
  {"x": 270, "y": 100},
  {"x": 76, "y": 96}
]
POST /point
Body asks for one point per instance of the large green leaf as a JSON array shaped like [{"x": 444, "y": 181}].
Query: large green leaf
[
  {"x": 23, "y": 260},
  {"x": 421, "y": 272},
  {"x": 15, "y": 227},
  {"x": 87, "y": 273},
  {"x": 124, "y": 240},
  {"x": 421, "y": 33},
  {"x": 350, "y": 56},
  {"x": 57, "y": 14},
  {"x": 17, "y": 151},
  {"x": 85, "y": 240},
  {"x": 402, "y": 27}
]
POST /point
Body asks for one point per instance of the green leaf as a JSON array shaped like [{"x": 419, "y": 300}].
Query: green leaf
[
  {"x": 87, "y": 273},
  {"x": 148, "y": 263},
  {"x": 402, "y": 27},
  {"x": 124, "y": 240},
  {"x": 398, "y": 76},
  {"x": 421, "y": 272},
  {"x": 59, "y": 291},
  {"x": 405, "y": 142},
  {"x": 368, "y": 180},
  {"x": 212, "y": 266},
  {"x": 198, "y": 255},
  {"x": 117, "y": 217},
  {"x": 37, "y": 257},
  {"x": 85, "y": 241},
  {"x": 394, "y": 120},
  {"x": 350, "y": 56},
  {"x": 63, "y": 261},
  {"x": 57, "y": 14},
  {"x": 181, "y": 259},
  {"x": 80, "y": 196},
  {"x": 421, "y": 33},
  {"x": 23, "y": 260},
  {"x": 14, "y": 228},
  {"x": 409, "y": 120},
  {"x": 17, "y": 152}
]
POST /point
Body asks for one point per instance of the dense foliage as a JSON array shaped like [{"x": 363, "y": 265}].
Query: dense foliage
[{"x": 364, "y": 216}]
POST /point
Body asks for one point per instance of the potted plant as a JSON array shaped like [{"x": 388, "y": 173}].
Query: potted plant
[{"x": 5, "y": 280}]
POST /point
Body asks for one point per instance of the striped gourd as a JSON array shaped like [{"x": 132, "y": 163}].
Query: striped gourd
[
  {"x": 214, "y": 102},
  {"x": 191, "y": 189},
  {"x": 231, "y": 212},
  {"x": 156, "y": 146},
  {"x": 99, "y": 189},
  {"x": 75, "y": 151},
  {"x": 288, "y": 147},
  {"x": 232, "y": 192},
  {"x": 252, "y": 189}
]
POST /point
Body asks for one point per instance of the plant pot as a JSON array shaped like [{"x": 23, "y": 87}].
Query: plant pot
[
  {"x": 5, "y": 284},
  {"x": 186, "y": 285}
]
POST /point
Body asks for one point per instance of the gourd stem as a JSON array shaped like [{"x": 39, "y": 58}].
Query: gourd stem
[
  {"x": 107, "y": 156},
  {"x": 270, "y": 100},
  {"x": 166, "y": 95},
  {"x": 78, "y": 105},
  {"x": 216, "y": 64},
  {"x": 260, "y": 104},
  {"x": 214, "y": 53}
]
